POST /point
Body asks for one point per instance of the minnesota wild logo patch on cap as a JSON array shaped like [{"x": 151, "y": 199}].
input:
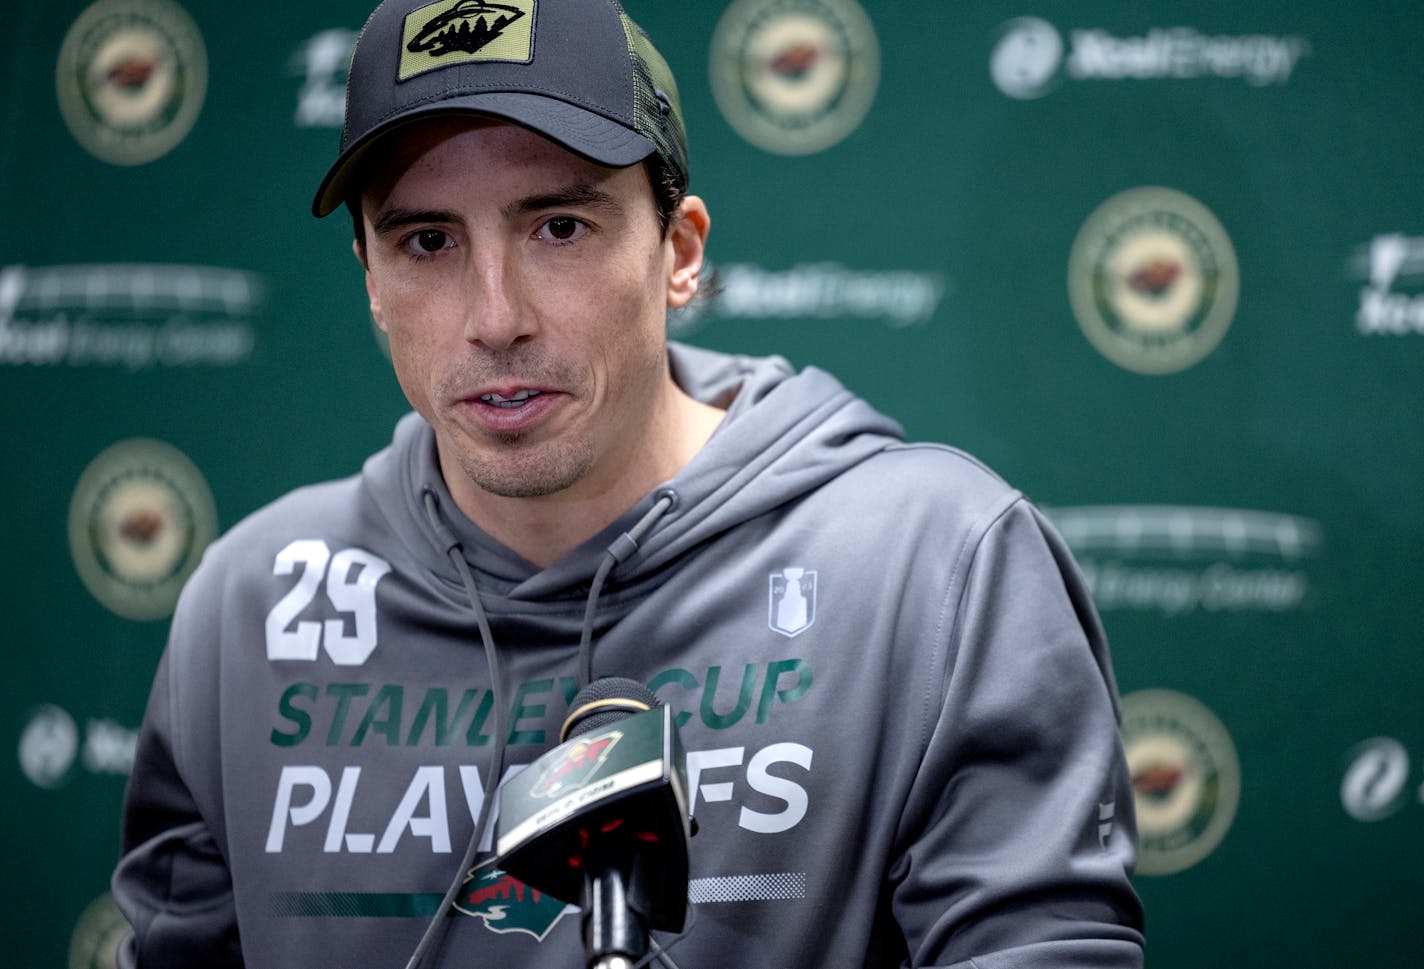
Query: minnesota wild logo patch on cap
[{"x": 446, "y": 33}]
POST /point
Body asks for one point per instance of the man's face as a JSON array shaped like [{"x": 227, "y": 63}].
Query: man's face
[{"x": 524, "y": 290}]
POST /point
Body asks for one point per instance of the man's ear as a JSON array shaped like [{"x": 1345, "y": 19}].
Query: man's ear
[
  {"x": 688, "y": 235},
  {"x": 371, "y": 293}
]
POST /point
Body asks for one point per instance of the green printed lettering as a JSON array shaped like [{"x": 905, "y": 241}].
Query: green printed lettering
[
  {"x": 436, "y": 703},
  {"x": 570, "y": 686},
  {"x": 288, "y": 711},
  {"x": 521, "y": 711},
  {"x": 343, "y": 692},
  {"x": 681, "y": 677},
  {"x": 475, "y": 737},
  {"x": 710, "y": 716},
  {"x": 389, "y": 698},
  {"x": 801, "y": 668}
]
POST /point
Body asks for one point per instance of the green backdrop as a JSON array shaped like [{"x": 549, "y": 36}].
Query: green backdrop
[{"x": 1160, "y": 265}]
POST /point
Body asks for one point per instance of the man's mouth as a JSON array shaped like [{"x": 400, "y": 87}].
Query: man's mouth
[{"x": 512, "y": 401}]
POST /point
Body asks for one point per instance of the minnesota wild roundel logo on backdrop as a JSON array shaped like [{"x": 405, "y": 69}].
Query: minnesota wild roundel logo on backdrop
[
  {"x": 505, "y": 904},
  {"x": 139, "y": 520},
  {"x": 97, "y": 935},
  {"x": 1153, "y": 280},
  {"x": 1186, "y": 778},
  {"x": 794, "y": 77},
  {"x": 131, "y": 79}
]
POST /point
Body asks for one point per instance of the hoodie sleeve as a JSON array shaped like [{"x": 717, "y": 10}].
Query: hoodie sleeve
[
  {"x": 1018, "y": 836},
  {"x": 172, "y": 881}
]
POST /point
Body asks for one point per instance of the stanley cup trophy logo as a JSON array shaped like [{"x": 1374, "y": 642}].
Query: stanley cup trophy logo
[{"x": 793, "y": 601}]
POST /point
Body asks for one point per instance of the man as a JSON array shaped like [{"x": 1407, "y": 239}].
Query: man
[{"x": 895, "y": 695}]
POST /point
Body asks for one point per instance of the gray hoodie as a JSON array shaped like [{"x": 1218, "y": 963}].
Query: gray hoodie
[{"x": 895, "y": 695}]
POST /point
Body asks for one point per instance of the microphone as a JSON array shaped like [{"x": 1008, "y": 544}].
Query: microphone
[{"x": 601, "y": 821}]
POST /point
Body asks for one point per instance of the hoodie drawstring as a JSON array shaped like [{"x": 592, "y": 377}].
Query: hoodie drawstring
[
  {"x": 436, "y": 927},
  {"x": 622, "y": 547}
]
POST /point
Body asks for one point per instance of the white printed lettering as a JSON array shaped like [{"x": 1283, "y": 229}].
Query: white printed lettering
[
  {"x": 336, "y": 831},
  {"x": 428, "y": 784},
  {"x": 302, "y": 641},
  {"x": 350, "y": 588},
  {"x": 307, "y": 794},
  {"x": 763, "y": 781},
  {"x": 312, "y": 777},
  {"x": 700, "y": 760},
  {"x": 475, "y": 797}
]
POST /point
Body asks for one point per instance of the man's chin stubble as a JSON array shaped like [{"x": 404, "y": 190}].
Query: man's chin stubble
[{"x": 510, "y": 480}]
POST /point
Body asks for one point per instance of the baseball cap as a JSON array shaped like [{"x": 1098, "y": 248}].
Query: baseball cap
[{"x": 579, "y": 72}]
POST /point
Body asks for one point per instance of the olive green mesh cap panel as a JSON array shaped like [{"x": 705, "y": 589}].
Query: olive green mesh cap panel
[{"x": 658, "y": 108}]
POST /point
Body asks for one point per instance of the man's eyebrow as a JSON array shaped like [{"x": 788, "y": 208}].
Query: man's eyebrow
[
  {"x": 573, "y": 196},
  {"x": 388, "y": 220},
  {"x": 579, "y": 196}
]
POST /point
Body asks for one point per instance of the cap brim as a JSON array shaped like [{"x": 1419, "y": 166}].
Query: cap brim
[{"x": 583, "y": 132}]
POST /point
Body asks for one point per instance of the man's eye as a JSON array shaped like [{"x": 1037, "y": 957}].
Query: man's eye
[
  {"x": 562, "y": 228},
  {"x": 430, "y": 240}
]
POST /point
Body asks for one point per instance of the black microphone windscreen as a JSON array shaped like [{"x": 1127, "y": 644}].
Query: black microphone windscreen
[{"x": 605, "y": 702}]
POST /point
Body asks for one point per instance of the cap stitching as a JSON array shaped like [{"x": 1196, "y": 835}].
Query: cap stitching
[{"x": 555, "y": 95}]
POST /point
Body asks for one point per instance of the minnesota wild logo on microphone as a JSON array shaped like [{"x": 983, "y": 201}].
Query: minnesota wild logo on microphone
[
  {"x": 607, "y": 807},
  {"x": 577, "y": 761}
]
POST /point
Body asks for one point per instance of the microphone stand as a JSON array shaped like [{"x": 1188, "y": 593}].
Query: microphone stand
[{"x": 614, "y": 935}]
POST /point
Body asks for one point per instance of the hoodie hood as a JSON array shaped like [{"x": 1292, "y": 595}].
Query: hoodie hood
[{"x": 785, "y": 433}]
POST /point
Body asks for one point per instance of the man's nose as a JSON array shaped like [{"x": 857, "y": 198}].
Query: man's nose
[{"x": 497, "y": 318}]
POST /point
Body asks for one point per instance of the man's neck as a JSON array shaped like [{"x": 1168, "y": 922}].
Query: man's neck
[{"x": 544, "y": 529}]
